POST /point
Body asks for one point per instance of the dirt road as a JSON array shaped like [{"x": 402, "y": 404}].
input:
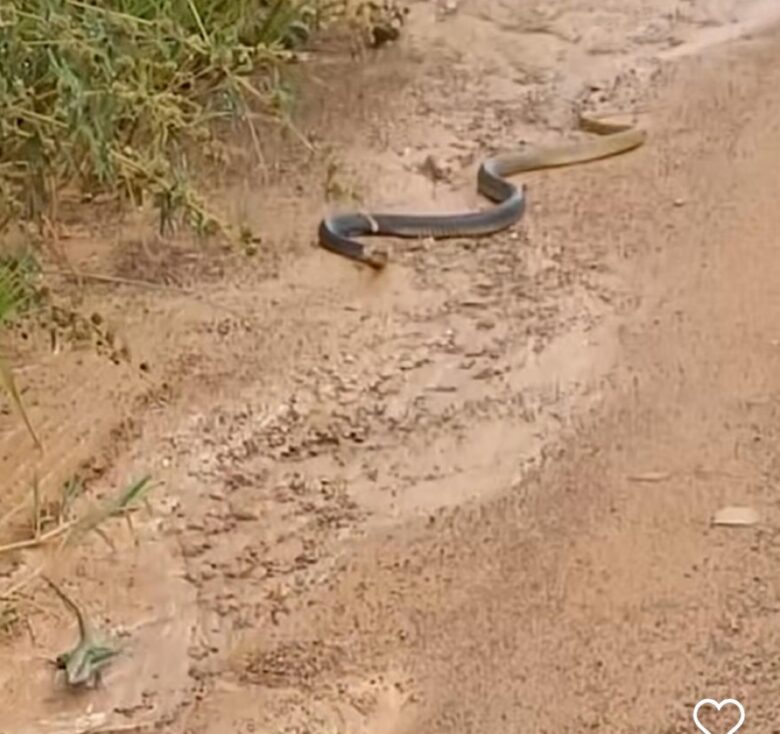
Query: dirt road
[{"x": 474, "y": 493}]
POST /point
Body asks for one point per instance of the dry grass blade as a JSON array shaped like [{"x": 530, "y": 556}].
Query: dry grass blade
[
  {"x": 123, "y": 503},
  {"x": 8, "y": 384},
  {"x": 126, "y": 501},
  {"x": 34, "y": 542}
]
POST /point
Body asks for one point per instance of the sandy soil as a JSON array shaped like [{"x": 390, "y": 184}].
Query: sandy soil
[{"x": 473, "y": 493}]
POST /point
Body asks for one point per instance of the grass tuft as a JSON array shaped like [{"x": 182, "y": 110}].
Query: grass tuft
[
  {"x": 17, "y": 295},
  {"x": 60, "y": 525},
  {"x": 109, "y": 96}
]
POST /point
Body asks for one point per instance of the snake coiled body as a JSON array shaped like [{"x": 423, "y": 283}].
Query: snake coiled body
[{"x": 337, "y": 232}]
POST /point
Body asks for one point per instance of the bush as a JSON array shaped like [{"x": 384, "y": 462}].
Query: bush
[{"x": 108, "y": 95}]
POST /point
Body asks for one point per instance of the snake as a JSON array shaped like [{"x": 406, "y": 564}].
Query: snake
[{"x": 337, "y": 232}]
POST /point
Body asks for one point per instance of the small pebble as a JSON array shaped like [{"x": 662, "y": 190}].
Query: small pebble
[{"x": 735, "y": 516}]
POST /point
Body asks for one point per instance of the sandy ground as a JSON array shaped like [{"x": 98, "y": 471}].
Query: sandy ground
[{"x": 473, "y": 493}]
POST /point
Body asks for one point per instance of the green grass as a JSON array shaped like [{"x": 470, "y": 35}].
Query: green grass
[
  {"x": 109, "y": 96},
  {"x": 17, "y": 295},
  {"x": 17, "y": 291}
]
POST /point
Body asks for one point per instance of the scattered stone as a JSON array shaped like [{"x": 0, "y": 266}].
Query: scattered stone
[
  {"x": 244, "y": 515},
  {"x": 650, "y": 476},
  {"x": 733, "y": 516},
  {"x": 434, "y": 169}
]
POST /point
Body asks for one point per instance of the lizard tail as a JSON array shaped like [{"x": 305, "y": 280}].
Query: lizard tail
[{"x": 68, "y": 603}]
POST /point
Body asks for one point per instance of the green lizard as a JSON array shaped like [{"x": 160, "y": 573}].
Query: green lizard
[{"x": 85, "y": 662}]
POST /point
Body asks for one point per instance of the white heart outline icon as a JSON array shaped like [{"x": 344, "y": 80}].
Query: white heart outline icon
[{"x": 718, "y": 707}]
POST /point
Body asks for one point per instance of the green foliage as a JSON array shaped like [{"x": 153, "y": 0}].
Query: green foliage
[
  {"x": 108, "y": 95},
  {"x": 17, "y": 295}
]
